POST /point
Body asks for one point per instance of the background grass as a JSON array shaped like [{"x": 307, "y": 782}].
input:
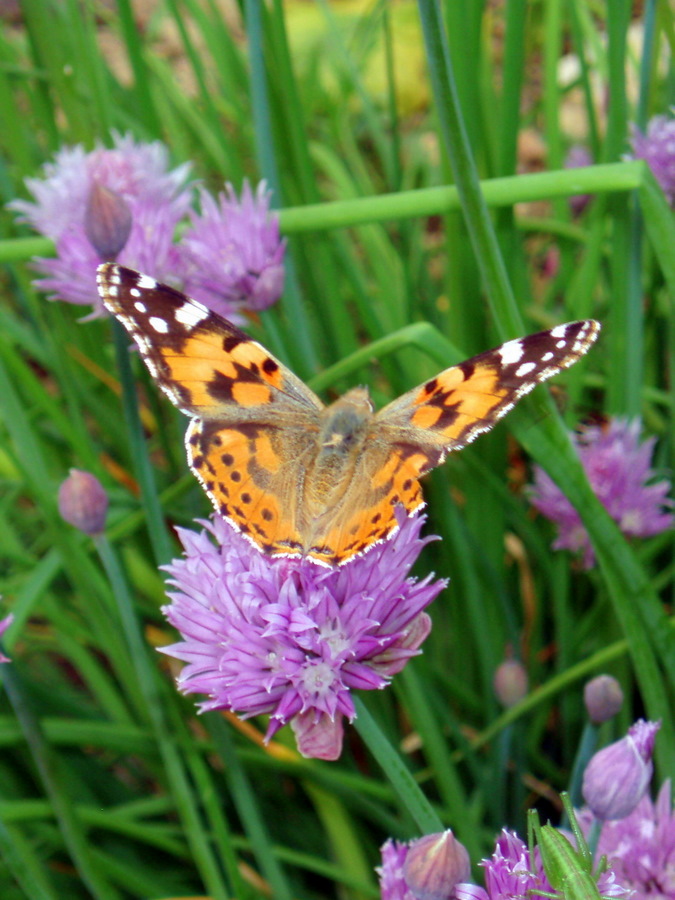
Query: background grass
[{"x": 362, "y": 117}]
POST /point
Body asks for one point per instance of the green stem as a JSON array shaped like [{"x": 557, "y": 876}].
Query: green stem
[{"x": 400, "y": 777}]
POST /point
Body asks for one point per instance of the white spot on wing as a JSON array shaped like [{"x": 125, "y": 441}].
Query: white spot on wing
[
  {"x": 525, "y": 369},
  {"x": 144, "y": 281},
  {"x": 191, "y": 314},
  {"x": 140, "y": 307},
  {"x": 160, "y": 325},
  {"x": 511, "y": 352}
]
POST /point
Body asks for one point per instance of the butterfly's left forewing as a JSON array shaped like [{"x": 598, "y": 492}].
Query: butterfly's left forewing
[{"x": 207, "y": 366}]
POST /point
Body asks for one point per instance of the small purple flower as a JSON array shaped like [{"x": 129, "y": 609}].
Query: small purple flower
[
  {"x": 641, "y": 847},
  {"x": 83, "y": 502},
  {"x": 289, "y": 638},
  {"x": 603, "y": 698},
  {"x": 512, "y": 874},
  {"x": 657, "y": 148},
  {"x": 617, "y": 777},
  {"x": 424, "y": 869},
  {"x": 138, "y": 175},
  {"x": 4, "y": 625},
  {"x": 232, "y": 254},
  {"x": 618, "y": 469},
  {"x": 510, "y": 682}
]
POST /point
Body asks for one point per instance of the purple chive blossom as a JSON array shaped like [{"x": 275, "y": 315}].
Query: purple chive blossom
[
  {"x": 232, "y": 254},
  {"x": 618, "y": 469},
  {"x": 641, "y": 847},
  {"x": 617, "y": 777},
  {"x": 511, "y": 874},
  {"x": 393, "y": 885},
  {"x": 425, "y": 869},
  {"x": 139, "y": 186},
  {"x": 4, "y": 625},
  {"x": 657, "y": 148},
  {"x": 292, "y": 639}
]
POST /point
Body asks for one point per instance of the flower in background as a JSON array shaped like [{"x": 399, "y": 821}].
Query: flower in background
[
  {"x": 4, "y": 625},
  {"x": 657, "y": 148},
  {"x": 424, "y": 869},
  {"x": 122, "y": 202},
  {"x": 618, "y": 468},
  {"x": 578, "y": 157},
  {"x": 292, "y": 639},
  {"x": 512, "y": 873},
  {"x": 232, "y": 254},
  {"x": 83, "y": 502},
  {"x": 510, "y": 682},
  {"x": 603, "y": 698},
  {"x": 641, "y": 847},
  {"x": 617, "y": 777}
]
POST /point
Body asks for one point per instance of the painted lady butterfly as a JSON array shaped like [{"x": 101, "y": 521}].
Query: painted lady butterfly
[{"x": 297, "y": 477}]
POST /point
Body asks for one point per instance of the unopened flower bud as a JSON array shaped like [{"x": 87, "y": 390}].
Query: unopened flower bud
[
  {"x": 83, "y": 502},
  {"x": 510, "y": 682},
  {"x": 4, "y": 625},
  {"x": 603, "y": 698},
  {"x": 107, "y": 221},
  {"x": 434, "y": 864},
  {"x": 617, "y": 776}
]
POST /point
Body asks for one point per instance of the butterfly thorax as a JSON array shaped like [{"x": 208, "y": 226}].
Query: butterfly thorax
[{"x": 344, "y": 429}]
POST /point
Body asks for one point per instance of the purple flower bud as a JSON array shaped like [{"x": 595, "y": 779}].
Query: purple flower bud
[
  {"x": 107, "y": 221},
  {"x": 603, "y": 698},
  {"x": 617, "y": 777},
  {"x": 434, "y": 864},
  {"x": 83, "y": 502},
  {"x": 510, "y": 682},
  {"x": 4, "y": 625}
]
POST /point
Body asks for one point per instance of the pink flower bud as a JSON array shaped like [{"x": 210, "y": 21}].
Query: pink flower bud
[
  {"x": 4, "y": 625},
  {"x": 617, "y": 777},
  {"x": 434, "y": 864},
  {"x": 603, "y": 698},
  {"x": 83, "y": 502},
  {"x": 107, "y": 221},
  {"x": 510, "y": 682}
]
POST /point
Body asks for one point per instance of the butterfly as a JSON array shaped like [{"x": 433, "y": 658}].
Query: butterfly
[{"x": 296, "y": 477}]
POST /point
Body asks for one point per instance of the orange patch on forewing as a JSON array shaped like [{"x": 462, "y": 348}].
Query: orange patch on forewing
[
  {"x": 426, "y": 416},
  {"x": 247, "y": 393},
  {"x": 253, "y": 356},
  {"x": 446, "y": 381}
]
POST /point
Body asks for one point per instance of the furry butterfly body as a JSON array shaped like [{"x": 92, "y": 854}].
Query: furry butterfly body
[{"x": 295, "y": 476}]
